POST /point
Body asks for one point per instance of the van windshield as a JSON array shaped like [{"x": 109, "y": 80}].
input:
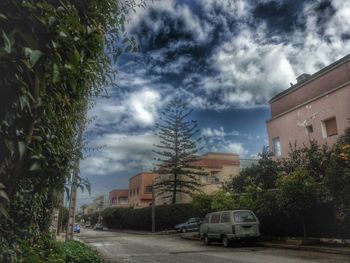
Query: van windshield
[{"x": 244, "y": 217}]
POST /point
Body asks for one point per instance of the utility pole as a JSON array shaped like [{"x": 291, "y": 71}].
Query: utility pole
[
  {"x": 73, "y": 191},
  {"x": 153, "y": 210}
]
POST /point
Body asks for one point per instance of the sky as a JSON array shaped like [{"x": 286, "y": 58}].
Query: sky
[{"x": 226, "y": 58}]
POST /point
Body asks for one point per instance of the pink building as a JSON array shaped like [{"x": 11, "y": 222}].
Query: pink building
[
  {"x": 140, "y": 189},
  {"x": 317, "y": 108},
  {"x": 119, "y": 198}
]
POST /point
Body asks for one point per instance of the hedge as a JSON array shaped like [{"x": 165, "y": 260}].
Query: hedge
[{"x": 167, "y": 216}]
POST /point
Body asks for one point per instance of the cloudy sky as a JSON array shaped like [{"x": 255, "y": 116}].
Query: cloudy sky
[{"x": 227, "y": 58}]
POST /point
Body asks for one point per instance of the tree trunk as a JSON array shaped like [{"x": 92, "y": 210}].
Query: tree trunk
[{"x": 304, "y": 227}]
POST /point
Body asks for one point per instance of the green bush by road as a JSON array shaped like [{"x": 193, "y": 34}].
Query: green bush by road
[{"x": 49, "y": 250}]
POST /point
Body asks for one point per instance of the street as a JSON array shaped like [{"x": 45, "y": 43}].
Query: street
[{"x": 137, "y": 248}]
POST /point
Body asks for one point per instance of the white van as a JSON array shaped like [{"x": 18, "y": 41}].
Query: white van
[{"x": 227, "y": 226}]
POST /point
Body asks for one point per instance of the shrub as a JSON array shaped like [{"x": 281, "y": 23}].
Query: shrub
[
  {"x": 167, "y": 216},
  {"x": 77, "y": 252}
]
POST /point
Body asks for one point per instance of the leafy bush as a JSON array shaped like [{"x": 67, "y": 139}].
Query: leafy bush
[
  {"x": 167, "y": 216},
  {"x": 45, "y": 250},
  {"x": 77, "y": 252}
]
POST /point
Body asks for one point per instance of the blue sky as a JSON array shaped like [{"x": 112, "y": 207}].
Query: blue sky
[{"x": 226, "y": 58}]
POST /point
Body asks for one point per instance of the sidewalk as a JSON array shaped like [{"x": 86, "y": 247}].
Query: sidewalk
[{"x": 320, "y": 247}]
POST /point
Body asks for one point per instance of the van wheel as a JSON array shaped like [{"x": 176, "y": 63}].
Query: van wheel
[
  {"x": 225, "y": 241},
  {"x": 207, "y": 241},
  {"x": 183, "y": 230}
]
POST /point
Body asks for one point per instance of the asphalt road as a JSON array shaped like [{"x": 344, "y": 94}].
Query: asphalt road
[{"x": 136, "y": 248}]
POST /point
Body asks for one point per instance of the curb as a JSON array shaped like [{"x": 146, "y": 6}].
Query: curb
[
  {"x": 308, "y": 248},
  {"x": 294, "y": 247}
]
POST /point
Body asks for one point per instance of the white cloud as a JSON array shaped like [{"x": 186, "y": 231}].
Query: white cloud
[
  {"x": 122, "y": 153},
  {"x": 236, "y": 147}
]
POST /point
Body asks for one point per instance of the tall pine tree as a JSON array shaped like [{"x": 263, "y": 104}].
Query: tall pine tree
[{"x": 176, "y": 150}]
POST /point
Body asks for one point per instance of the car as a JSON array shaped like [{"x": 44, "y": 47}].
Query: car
[
  {"x": 76, "y": 228},
  {"x": 87, "y": 224},
  {"x": 98, "y": 226},
  {"x": 229, "y": 226},
  {"x": 191, "y": 224}
]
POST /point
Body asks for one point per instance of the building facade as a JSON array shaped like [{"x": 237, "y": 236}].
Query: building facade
[
  {"x": 118, "y": 198},
  {"x": 217, "y": 168},
  {"x": 140, "y": 189},
  {"x": 315, "y": 108}
]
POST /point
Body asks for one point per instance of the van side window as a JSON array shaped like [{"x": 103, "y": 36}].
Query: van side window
[
  {"x": 215, "y": 219},
  {"x": 225, "y": 217},
  {"x": 206, "y": 219}
]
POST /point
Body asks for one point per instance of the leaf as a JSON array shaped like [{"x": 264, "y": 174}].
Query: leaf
[
  {"x": 35, "y": 167},
  {"x": 23, "y": 101},
  {"x": 3, "y": 16},
  {"x": 62, "y": 34},
  {"x": 21, "y": 148},
  {"x": 56, "y": 74},
  {"x": 33, "y": 55},
  {"x": 7, "y": 43}
]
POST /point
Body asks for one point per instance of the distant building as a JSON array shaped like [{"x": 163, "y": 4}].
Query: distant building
[
  {"x": 317, "y": 108},
  {"x": 217, "y": 169},
  {"x": 140, "y": 189},
  {"x": 118, "y": 198},
  {"x": 99, "y": 203},
  {"x": 88, "y": 210}
]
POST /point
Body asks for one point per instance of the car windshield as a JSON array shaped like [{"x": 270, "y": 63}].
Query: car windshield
[{"x": 244, "y": 216}]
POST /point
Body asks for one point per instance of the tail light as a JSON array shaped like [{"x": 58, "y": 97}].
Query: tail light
[{"x": 233, "y": 230}]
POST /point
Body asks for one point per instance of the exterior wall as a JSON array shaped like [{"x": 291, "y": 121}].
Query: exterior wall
[
  {"x": 217, "y": 167},
  {"x": 318, "y": 84},
  {"x": 138, "y": 197},
  {"x": 99, "y": 204},
  {"x": 291, "y": 126},
  {"x": 118, "y": 198},
  {"x": 89, "y": 210}
]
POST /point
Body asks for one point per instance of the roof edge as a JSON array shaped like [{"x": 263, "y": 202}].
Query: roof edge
[{"x": 312, "y": 78}]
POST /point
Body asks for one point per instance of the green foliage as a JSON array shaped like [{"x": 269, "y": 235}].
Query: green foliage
[
  {"x": 224, "y": 201},
  {"x": 77, "y": 252},
  {"x": 337, "y": 179},
  {"x": 167, "y": 216},
  {"x": 44, "y": 250},
  {"x": 176, "y": 151},
  {"x": 202, "y": 201},
  {"x": 55, "y": 58}
]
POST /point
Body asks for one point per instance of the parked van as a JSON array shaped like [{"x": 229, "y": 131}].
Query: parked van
[{"x": 227, "y": 226}]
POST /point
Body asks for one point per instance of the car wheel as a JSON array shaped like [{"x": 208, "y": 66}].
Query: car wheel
[
  {"x": 207, "y": 241},
  {"x": 225, "y": 241},
  {"x": 183, "y": 230}
]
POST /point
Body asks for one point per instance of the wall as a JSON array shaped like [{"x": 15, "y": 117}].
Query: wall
[{"x": 290, "y": 127}]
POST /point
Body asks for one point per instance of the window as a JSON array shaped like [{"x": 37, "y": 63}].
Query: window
[
  {"x": 225, "y": 217},
  {"x": 130, "y": 192},
  {"x": 148, "y": 189},
  {"x": 244, "y": 217},
  {"x": 215, "y": 219},
  {"x": 206, "y": 219},
  {"x": 123, "y": 200},
  {"x": 276, "y": 146},
  {"x": 205, "y": 178},
  {"x": 329, "y": 127},
  {"x": 309, "y": 129}
]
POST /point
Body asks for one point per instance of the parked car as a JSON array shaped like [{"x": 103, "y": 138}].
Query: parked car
[
  {"x": 228, "y": 226},
  {"x": 98, "y": 226},
  {"x": 191, "y": 224},
  {"x": 87, "y": 224},
  {"x": 76, "y": 228}
]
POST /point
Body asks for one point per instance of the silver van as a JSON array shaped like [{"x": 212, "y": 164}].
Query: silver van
[{"x": 227, "y": 226}]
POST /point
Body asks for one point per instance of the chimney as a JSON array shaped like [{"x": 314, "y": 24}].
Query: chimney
[{"x": 303, "y": 77}]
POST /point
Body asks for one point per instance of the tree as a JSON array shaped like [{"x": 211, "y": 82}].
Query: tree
[
  {"x": 298, "y": 192},
  {"x": 337, "y": 178},
  {"x": 176, "y": 151}
]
